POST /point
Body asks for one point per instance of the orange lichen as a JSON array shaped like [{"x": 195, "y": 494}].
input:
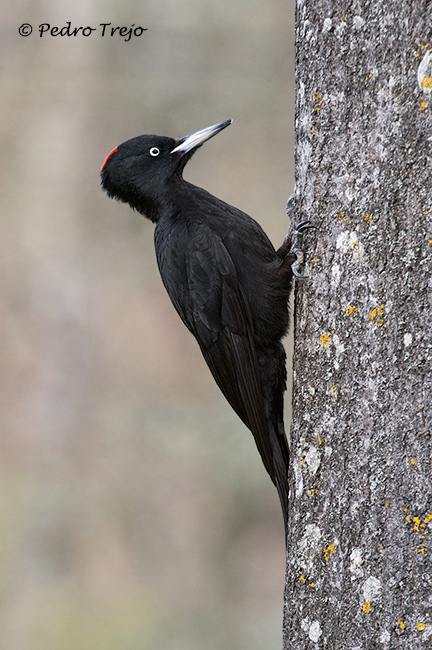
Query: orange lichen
[
  {"x": 376, "y": 316},
  {"x": 356, "y": 247},
  {"x": 325, "y": 340},
  {"x": 329, "y": 551},
  {"x": 351, "y": 311}
]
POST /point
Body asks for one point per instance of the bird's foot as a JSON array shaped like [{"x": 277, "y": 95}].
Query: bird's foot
[
  {"x": 291, "y": 250},
  {"x": 296, "y": 249}
]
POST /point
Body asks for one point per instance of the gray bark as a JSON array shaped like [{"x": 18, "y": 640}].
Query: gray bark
[{"x": 359, "y": 567}]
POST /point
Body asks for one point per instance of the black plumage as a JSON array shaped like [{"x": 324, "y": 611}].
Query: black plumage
[{"x": 224, "y": 277}]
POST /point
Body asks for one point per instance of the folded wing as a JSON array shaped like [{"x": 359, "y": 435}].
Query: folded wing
[{"x": 219, "y": 317}]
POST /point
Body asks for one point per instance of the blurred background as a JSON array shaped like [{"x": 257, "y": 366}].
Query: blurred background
[{"x": 135, "y": 512}]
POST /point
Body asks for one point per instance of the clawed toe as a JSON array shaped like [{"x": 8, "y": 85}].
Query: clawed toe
[
  {"x": 293, "y": 244},
  {"x": 305, "y": 225},
  {"x": 290, "y": 205},
  {"x": 298, "y": 274},
  {"x": 297, "y": 248}
]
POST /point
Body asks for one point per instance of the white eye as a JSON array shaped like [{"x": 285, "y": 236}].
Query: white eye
[{"x": 154, "y": 151}]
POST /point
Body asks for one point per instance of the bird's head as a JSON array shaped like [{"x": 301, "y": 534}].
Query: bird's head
[{"x": 139, "y": 170}]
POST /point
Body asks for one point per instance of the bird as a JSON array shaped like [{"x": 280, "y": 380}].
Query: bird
[{"x": 227, "y": 282}]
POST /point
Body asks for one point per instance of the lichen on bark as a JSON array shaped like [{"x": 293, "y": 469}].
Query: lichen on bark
[{"x": 359, "y": 568}]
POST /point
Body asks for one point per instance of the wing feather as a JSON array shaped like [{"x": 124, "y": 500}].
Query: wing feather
[{"x": 222, "y": 324}]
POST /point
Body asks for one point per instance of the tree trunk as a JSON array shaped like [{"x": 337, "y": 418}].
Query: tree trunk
[{"x": 359, "y": 561}]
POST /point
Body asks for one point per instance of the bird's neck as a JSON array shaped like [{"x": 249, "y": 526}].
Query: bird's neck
[{"x": 164, "y": 203}]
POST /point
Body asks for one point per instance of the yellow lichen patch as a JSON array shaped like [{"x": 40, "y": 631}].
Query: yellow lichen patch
[
  {"x": 376, "y": 316},
  {"x": 312, "y": 584},
  {"x": 356, "y": 247},
  {"x": 340, "y": 215},
  {"x": 314, "y": 259},
  {"x": 329, "y": 551},
  {"x": 318, "y": 99},
  {"x": 413, "y": 461},
  {"x": 351, "y": 311},
  {"x": 386, "y": 505},
  {"x": 325, "y": 340},
  {"x": 311, "y": 492},
  {"x": 420, "y": 527},
  {"x": 366, "y": 607},
  {"x": 421, "y": 626},
  {"x": 367, "y": 218},
  {"x": 423, "y": 105},
  {"x": 302, "y": 579},
  {"x": 334, "y": 389},
  {"x": 427, "y": 82},
  {"x": 401, "y": 624}
]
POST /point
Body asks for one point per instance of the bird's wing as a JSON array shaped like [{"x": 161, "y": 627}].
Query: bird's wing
[{"x": 219, "y": 317}]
